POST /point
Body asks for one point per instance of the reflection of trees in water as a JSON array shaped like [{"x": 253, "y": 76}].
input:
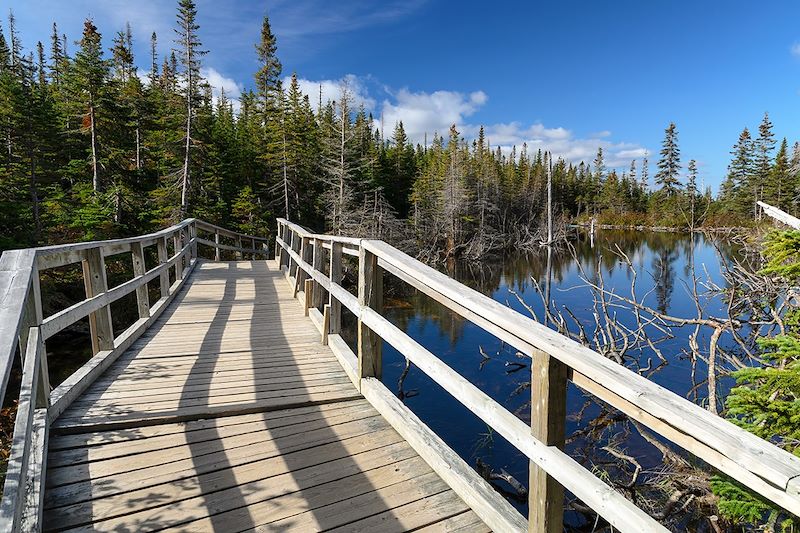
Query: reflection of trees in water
[
  {"x": 664, "y": 277},
  {"x": 604, "y": 439}
]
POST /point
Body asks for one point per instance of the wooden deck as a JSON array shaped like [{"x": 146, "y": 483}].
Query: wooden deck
[{"x": 228, "y": 414}]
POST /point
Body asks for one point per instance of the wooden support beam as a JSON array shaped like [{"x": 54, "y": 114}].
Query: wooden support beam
[
  {"x": 32, "y": 318},
  {"x": 139, "y": 269},
  {"x": 238, "y": 253},
  {"x": 193, "y": 240},
  {"x": 336, "y": 279},
  {"x": 548, "y": 420},
  {"x": 308, "y": 288},
  {"x": 216, "y": 247},
  {"x": 177, "y": 246},
  {"x": 95, "y": 282},
  {"x": 326, "y": 323},
  {"x": 370, "y": 295},
  {"x": 316, "y": 262},
  {"x": 163, "y": 258}
]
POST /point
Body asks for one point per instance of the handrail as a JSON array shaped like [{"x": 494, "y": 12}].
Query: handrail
[
  {"x": 754, "y": 462},
  {"x": 22, "y": 324}
]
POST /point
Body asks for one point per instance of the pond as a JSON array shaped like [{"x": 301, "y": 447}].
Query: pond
[{"x": 664, "y": 264}]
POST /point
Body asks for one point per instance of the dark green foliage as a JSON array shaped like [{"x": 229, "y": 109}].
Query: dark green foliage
[{"x": 766, "y": 400}]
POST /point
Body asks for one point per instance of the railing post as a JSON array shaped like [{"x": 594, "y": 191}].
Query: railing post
[
  {"x": 139, "y": 269},
  {"x": 163, "y": 258},
  {"x": 548, "y": 420},
  {"x": 294, "y": 246},
  {"x": 308, "y": 297},
  {"x": 176, "y": 243},
  {"x": 305, "y": 255},
  {"x": 335, "y": 274},
  {"x": 326, "y": 323},
  {"x": 238, "y": 253},
  {"x": 193, "y": 240},
  {"x": 370, "y": 295},
  {"x": 95, "y": 282},
  {"x": 316, "y": 262},
  {"x": 32, "y": 318},
  {"x": 216, "y": 248}
]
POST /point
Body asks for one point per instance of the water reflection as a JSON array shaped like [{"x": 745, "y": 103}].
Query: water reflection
[{"x": 662, "y": 265}]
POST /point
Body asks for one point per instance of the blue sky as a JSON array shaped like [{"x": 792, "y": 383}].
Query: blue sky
[{"x": 568, "y": 75}]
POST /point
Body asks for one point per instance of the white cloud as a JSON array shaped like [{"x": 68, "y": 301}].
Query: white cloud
[
  {"x": 423, "y": 112},
  {"x": 795, "y": 49},
  {"x": 563, "y": 143},
  {"x": 434, "y": 112},
  {"x": 332, "y": 90},
  {"x": 219, "y": 83}
]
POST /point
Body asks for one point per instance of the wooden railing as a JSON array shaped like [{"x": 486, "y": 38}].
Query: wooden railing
[
  {"x": 23, "y": 325},
  {"x": 755, "y": 463}
]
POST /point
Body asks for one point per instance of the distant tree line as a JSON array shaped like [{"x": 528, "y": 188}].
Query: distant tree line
[{"x": 93, "y": 148}]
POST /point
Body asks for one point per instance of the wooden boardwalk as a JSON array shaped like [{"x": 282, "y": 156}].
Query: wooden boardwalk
[
  {"x": 233, "y": 402},
  {"x": 228, "y": 414}
]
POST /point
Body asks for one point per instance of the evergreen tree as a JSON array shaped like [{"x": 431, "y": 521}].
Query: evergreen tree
[
  {"x": 189, "y": 48},
  {"x": 762, "y": 162},
  {"x": 87, "y": 81},
  {"x": 740, "y": 172},
  {"x": 691, "y": 190},
  {"x": 669, "y": 164},
  {"x": 779, "y": 178}
]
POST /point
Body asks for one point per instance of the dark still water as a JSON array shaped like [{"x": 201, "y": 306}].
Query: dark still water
[{"x": 663, "y": 263}]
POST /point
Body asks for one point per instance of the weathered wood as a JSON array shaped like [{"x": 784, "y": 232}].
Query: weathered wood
[
  {"x": 370, "y": 296},
  {"x": 780, "y": 216},
  {"x": 238, "y": 252},
  {"x": 774, "y": 466},
  {"x": 163, "y": 257},
  {"x": 620, "y": 512},
  {"x": 16, "y": 270},
  {"x": 72, "y": 387},
  {"x": 326, "y": 323},
  {"x": 548, "y": 421},
  {"x": 335, "y": 279},
  {"x": 216, "y": 246},
  {"x": 237, "y": 249},
  {"x": 20, "y": 456},
  {"x": 177, "y": 239},
  {"x": 139, "y": 269},
  {"x": 487, "y": 503},
  {"x": 32, "y": 318},
  {"x": 95, "y": 283},
  {"x": 37, "y": 467},
  {"x": 57, "y": 322},
  {"x": 65, "y": 254},
  {"x": 316, "y": 263},
  {"x": 307, "y": 296}
]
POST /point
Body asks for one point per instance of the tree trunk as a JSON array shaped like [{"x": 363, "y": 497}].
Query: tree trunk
[
  {"x": 138, "y": 150},
  {"x": 95, "y": 175}
]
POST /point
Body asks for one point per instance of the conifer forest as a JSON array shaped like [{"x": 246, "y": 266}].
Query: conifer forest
[
  {"x": 96, "y": 146},
  {"x": 690, "y": 286}
]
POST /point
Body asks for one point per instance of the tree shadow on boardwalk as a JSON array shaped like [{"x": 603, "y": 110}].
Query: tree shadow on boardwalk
[
  {"x": 303, "y": 458},
  {"x": 271, "y": 435}
]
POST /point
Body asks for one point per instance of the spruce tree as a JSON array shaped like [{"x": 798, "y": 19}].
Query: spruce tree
[
  {"x": 762, "y": 162},
  {"x": 190, "y": 52},
  {"x": 88, "y": 78},
  {"x": 740, "y": 172},
  {"x": 691, "y": 190},
  {"x": 669, "y": 165},
  {"x": 779, "y": 178}
]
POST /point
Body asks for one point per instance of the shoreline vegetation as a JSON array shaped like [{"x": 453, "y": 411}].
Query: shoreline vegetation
[{"x": 100, "y": 144}]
